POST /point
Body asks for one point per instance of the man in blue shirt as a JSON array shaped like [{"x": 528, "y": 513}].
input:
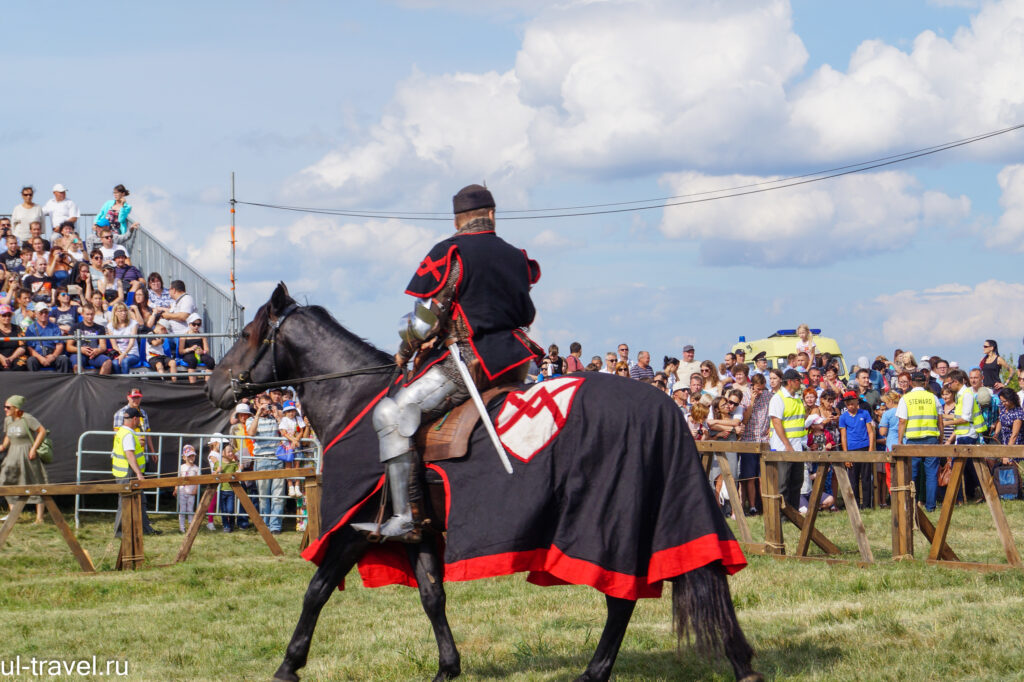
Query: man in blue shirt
[
  {"x": 46, "y": 354},
  {"x": 857, "y": 431}
]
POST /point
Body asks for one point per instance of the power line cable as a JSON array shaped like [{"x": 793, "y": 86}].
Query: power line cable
[{"x": 662, "y": 202}]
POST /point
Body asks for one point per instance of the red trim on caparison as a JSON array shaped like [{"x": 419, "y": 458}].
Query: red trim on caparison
[
  {"x": 668, "y": 563},
  {"x": 358, "y": 417},
  {"x": 423, "y": 370},
  {"x": 317, "y": 548},
  {"x": 447, "y": 490}
]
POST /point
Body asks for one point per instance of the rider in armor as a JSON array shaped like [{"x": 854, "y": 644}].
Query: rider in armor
[{"x": 472, "y": 289}]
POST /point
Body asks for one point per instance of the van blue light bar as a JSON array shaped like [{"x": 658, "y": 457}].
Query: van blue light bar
[{"x": 792, "y": 332}]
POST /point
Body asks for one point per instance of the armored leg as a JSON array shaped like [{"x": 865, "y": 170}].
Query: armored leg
[{"x": 396, "y": 421}]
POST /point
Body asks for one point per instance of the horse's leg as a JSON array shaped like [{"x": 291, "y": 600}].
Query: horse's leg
[
  {"x": 344, "y": 550},
  {"x": 430, "y": 577},
  {"x": 600, "y": 667},
  {"x": 701, "y": 602}
]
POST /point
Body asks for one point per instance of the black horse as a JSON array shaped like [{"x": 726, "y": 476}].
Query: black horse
[{"x": 288, "y": 342}]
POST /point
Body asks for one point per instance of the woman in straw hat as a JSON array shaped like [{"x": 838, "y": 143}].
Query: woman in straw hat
[{"x": 23, "y": 435}]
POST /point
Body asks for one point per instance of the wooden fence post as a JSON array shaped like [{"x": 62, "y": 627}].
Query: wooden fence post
[
  {"x": 771, "y": 501},
  {"x": 902, "y": 509}
]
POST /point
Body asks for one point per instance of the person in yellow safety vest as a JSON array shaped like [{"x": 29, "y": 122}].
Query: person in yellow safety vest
[
  {"x": 921, "y": 424},
  {"x": 129, "y": 456},
  {"x": 968, "y": 423},
  {"x": 788, "y": 433}
]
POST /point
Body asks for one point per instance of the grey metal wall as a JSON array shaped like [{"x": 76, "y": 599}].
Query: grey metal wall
[{"x": 150, "y": 255}]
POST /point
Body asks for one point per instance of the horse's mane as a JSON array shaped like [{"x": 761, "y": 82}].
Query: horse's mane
[{"x": 261, "y": 327}]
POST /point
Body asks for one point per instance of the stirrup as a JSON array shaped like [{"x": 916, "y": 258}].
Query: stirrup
[{"x": 399, "y": 528}]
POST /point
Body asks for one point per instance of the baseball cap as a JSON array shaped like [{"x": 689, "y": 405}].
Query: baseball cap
[
  {"x": 850, "y": 395},
  {"x": 5, "y": 309},
  {"x": 40, "y": 307},
  {"x": 791, "y": 375},
  {"x": 59, "y": 188},
  {"x": 135, "y": 393},
  {"x": 243, "y": 408},
  {"x": 218, "y": 438},
  {"x": 680, "y": 386},
  {"x": 814, "y": 419},
  {"x": 289, "y": 405},
  {"x": 131, "y": 413},
  {"x": 188, "y": 451},
  {"x": 107, "y": 265},
  {"x": 740, "y": 351},
  {"x": 918, "y": 376},
  {"x": 688, "y": 348},
  {"x": 193, "y": 317}
]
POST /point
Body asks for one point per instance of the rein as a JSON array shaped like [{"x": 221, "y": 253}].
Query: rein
[{"x": 241, "y": 386}]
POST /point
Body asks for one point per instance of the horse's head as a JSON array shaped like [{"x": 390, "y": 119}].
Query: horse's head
[{"x": 256, "y": 357}]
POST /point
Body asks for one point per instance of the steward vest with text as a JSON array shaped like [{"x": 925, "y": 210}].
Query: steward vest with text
[
  {"x": 922, "y": 415},
  {"x": 118, "y": 461}
]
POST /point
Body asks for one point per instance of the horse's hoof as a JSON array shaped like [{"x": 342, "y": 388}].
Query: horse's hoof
[
  {"x": 285, "y": 675},
  {"x": 443, "y": 675},
  {"x": 753, "y": 677}
]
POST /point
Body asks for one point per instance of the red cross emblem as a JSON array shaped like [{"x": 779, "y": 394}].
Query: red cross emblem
[
  {"x": 431, "y": 266},
  {"x": 529, "y": 420}
]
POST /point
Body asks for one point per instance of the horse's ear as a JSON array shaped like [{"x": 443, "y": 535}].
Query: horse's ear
[{"x": 280, "y": 299}]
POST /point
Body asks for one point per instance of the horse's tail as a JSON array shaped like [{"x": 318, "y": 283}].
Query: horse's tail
[{"x": 702, "y": 606}]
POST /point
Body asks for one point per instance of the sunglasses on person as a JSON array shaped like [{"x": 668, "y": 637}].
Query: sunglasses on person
[
  {"x": 734, "y": 403},
  {"x": 26, "y": 194}
]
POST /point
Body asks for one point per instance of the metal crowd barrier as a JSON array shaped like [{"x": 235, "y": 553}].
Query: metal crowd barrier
[
  {"x": 77, "y": 337},
  {"x": 93, "y": 465}
]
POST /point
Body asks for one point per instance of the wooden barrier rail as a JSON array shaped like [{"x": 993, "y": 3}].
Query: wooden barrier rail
[
  {"x": 131, "y": 554},
  {"x": 906, "y": 513}
]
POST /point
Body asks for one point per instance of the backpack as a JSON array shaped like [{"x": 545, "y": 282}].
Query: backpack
[{"x": 1007, "y": 480}]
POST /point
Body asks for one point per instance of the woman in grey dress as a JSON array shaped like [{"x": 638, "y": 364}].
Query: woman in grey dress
[{"x": 23, "y": 435}]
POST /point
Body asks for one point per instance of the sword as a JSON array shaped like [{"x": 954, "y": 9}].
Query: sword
[{"x": 453, "y": 348}]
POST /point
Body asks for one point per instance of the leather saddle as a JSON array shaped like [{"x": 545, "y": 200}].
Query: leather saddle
[{"x": 448, "y": 438}]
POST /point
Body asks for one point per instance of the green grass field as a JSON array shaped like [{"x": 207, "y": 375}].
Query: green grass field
[{"x": 228, "y": 613}]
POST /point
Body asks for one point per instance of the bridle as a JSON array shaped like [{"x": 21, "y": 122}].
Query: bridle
[{"x": 242, "y": 387}]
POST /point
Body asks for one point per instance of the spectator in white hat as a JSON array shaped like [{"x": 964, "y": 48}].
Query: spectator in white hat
[{"x": 60, "y": 208}]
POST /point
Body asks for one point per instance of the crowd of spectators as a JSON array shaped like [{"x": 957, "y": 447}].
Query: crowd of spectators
[
  {"x": 739, "y": 398},
  {"x": 62, "y": 283}
]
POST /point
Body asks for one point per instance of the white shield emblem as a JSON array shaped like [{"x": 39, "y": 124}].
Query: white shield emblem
[{"x": 531, "y": 419}]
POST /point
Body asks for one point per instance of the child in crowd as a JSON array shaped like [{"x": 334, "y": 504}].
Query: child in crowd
[
  {"x": 213, "y": 459},
  {"x": 228, "y": 465},
  {"x": 818, "y": 440},
  {"x": 290, "y": 427},
  {"x": 186, "y": 494},
  {"x": 155, "y": 356}
]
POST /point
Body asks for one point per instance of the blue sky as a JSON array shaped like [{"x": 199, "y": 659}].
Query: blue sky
[{"x": 394, "y": 106}]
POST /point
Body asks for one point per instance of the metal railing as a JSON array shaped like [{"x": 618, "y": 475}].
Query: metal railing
[
  {"x": 78, "y": 338},
  {"x": 93, "y": 464}
]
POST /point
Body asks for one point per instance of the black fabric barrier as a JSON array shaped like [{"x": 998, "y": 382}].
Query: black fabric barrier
[{"x": 68, "y": 405}]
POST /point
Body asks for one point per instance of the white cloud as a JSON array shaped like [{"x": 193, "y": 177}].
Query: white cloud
[
  {"x": 155, "y": 209},
  {"x": 942, "y": 89},
  {"x": 1009, "y": 231},
  {"x": 952, "y": 314},
  {"x": 550, "y": 239},
  {"x": 787, "y": 227},
  {"x": 633, "y": 88},
  {"x": 353, "y": 261}
]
